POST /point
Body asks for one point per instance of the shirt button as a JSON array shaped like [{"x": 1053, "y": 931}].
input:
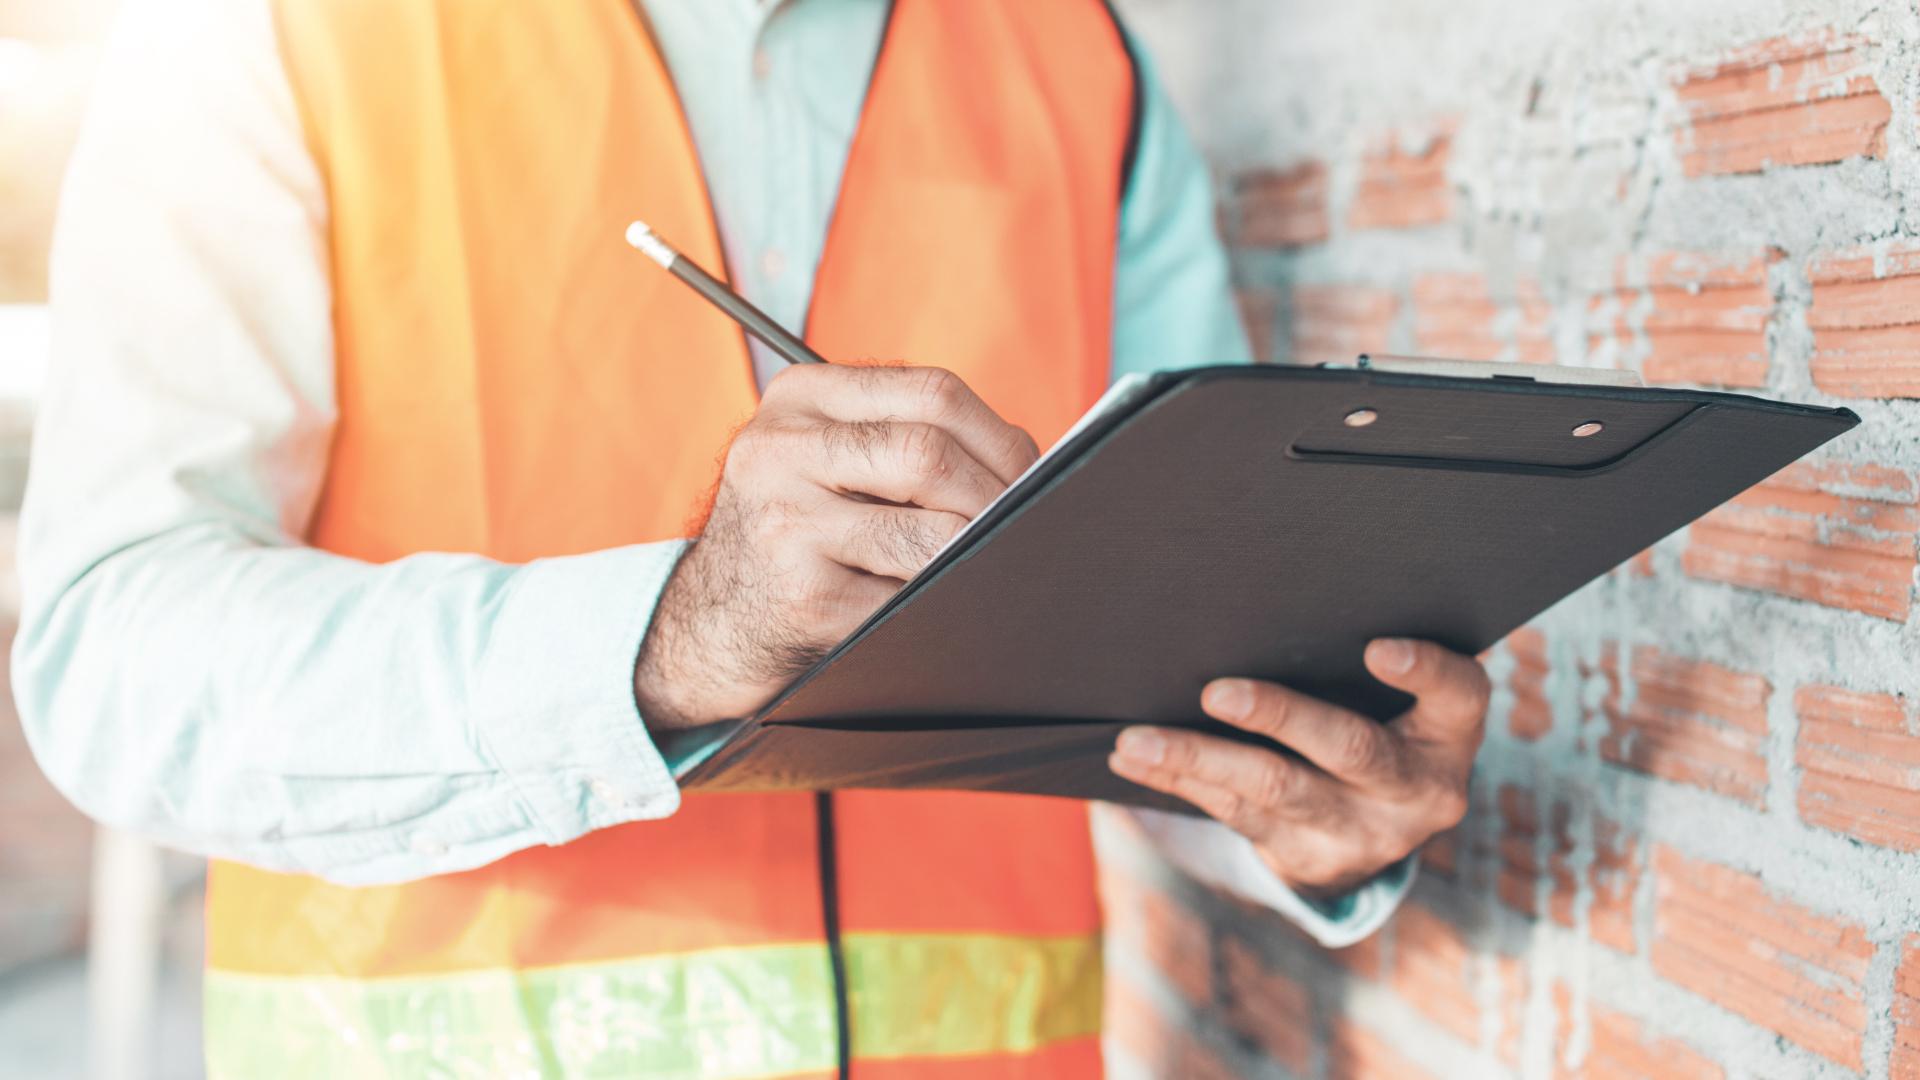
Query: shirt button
[
  {"x": 422, "y": 844},
  {"x": 606, "y": 793},
  {"x": 762, "y": 64},
  {"x": 772, "y": 262}
]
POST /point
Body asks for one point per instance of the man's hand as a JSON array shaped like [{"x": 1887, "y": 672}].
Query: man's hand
[
  {"x": 1359, "y": 797},
  {"x": 844, "y": 484}
]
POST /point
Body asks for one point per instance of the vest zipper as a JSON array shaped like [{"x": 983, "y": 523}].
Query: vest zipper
[{"x": 830, "y": 919}]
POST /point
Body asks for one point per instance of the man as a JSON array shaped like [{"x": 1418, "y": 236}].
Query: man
[{"x": 350, "y": 551}]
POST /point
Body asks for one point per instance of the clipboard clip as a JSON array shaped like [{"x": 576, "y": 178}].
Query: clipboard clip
[{"x": 1490, "y": 369}]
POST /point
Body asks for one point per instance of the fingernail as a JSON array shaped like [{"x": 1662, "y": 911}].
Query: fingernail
[
  {"x": 1143, "y": 746},
  {"x": 1393, "y": 656},
  {"x": 1229, "y": 699}
]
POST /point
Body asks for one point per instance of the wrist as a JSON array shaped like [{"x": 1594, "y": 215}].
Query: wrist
[
  {"x": 661, "y": 686},
  {"x": 654, "y": 700}
]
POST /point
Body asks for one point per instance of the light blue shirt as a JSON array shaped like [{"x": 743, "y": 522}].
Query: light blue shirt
[{"x": 187, "y": 668}]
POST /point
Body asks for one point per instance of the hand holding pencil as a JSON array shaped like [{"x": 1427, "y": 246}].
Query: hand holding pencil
[{"x": 847, "y": 480}]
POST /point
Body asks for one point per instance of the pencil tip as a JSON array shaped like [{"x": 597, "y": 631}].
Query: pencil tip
[{"x": 643, "y": 239}]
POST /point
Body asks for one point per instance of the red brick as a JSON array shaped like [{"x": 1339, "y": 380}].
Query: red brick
[
  {"x": 1511, "y": 975},
  {"x": 1865, "y": 317},
  {"x": 1442, "y": 854},
  {"x": 1620, "y": 1050},
  {"x": 1164, "y": 1047},
  {"x": 1613, "y": 876},
  {"x": 1364, "y": 959},
  {"x": 1354, "y": 1053},
  {"x": 1278, "y": 208},
  {"x": 1433, "y": 970},
  {"x": 1691, "y": 722},
  {"x": 1563, "y": 1018},
  {"x": 1562, "y": 883},
  {"x": 1519, "y": 855},
  {"x": 1455, "y": 315},
  {"x": 1783, "y": 102},
  {"x": 1532, "y": 328},
  {"x": 1721, "y": 934},
  {"x": 1259, "y": 313},
  {"x": 1267, "y": 1007},
  {"x": 1859, "y": 756},
  {"x": 1905, "y": 1062},
  {"x": 1367, "y": 958},
  {"x": 1402, "y": 188},
  {"x": 1165, "y": 932},
  {"x": 1339, "y": 322},
  {"x": 1531, "y": 715},
  {"x": 1706, "y": 318},
  {"x": 1838, "y": 535},
  {"x": 1172, "y": 939}
]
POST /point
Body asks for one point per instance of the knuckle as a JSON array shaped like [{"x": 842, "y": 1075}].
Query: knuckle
[
  {"x": 1276, "y": 784},
  {"x": 923, "y": 450},
  {"x": 748, "y": 447},
  {"x": 940, "y": 390},
  {"x": 1227, "y": 807},
  {"x": 1357, "y": 747}
]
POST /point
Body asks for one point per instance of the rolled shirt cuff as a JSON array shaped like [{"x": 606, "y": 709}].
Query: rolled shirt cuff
[
  {"x": 1212, "y": 853},
  {"x": 557, "y": 708}
]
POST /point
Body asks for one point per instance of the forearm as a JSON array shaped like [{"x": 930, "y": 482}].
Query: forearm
[{"x": 301, "y": 711}]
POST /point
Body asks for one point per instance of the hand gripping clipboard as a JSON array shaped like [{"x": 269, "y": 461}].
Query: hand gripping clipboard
[{"x": 1256, "y": 521}]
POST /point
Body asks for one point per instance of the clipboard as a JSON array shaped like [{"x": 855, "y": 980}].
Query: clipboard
[{"x": 1253, "y": 521}]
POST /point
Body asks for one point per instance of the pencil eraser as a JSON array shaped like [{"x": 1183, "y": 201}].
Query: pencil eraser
[{"x": 643, "y": 240}]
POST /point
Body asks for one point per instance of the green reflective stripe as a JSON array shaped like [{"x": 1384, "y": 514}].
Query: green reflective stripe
[
  {"x": 722, "y": 1014},
  {"x": 732, "y": 1014}
]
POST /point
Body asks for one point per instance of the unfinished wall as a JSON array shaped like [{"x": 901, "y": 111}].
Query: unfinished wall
[{"x": 1695, "y": 846}]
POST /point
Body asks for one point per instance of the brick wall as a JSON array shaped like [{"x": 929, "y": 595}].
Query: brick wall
[{"x": 1695, "y": 843}]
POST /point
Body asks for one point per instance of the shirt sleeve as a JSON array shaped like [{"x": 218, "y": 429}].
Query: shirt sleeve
[
  {"x": 1173, "y": 308},
  {"x": 1173, "y": 300},
  {"x": 185, "y": 667}
]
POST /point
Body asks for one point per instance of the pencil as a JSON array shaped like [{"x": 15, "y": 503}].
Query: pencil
[{"x": 756, "y": 322}]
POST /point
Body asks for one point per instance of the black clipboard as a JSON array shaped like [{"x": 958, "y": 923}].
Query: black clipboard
[{"x": 1255, "y": 521}]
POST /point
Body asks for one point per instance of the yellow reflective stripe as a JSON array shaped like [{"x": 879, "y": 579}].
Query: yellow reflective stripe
[
  {"x": 917, "y": 995},
  {"x": 721, "y": 1014}
]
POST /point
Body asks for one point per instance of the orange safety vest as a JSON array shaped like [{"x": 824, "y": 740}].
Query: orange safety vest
[{"x": 513, "y": 380}]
